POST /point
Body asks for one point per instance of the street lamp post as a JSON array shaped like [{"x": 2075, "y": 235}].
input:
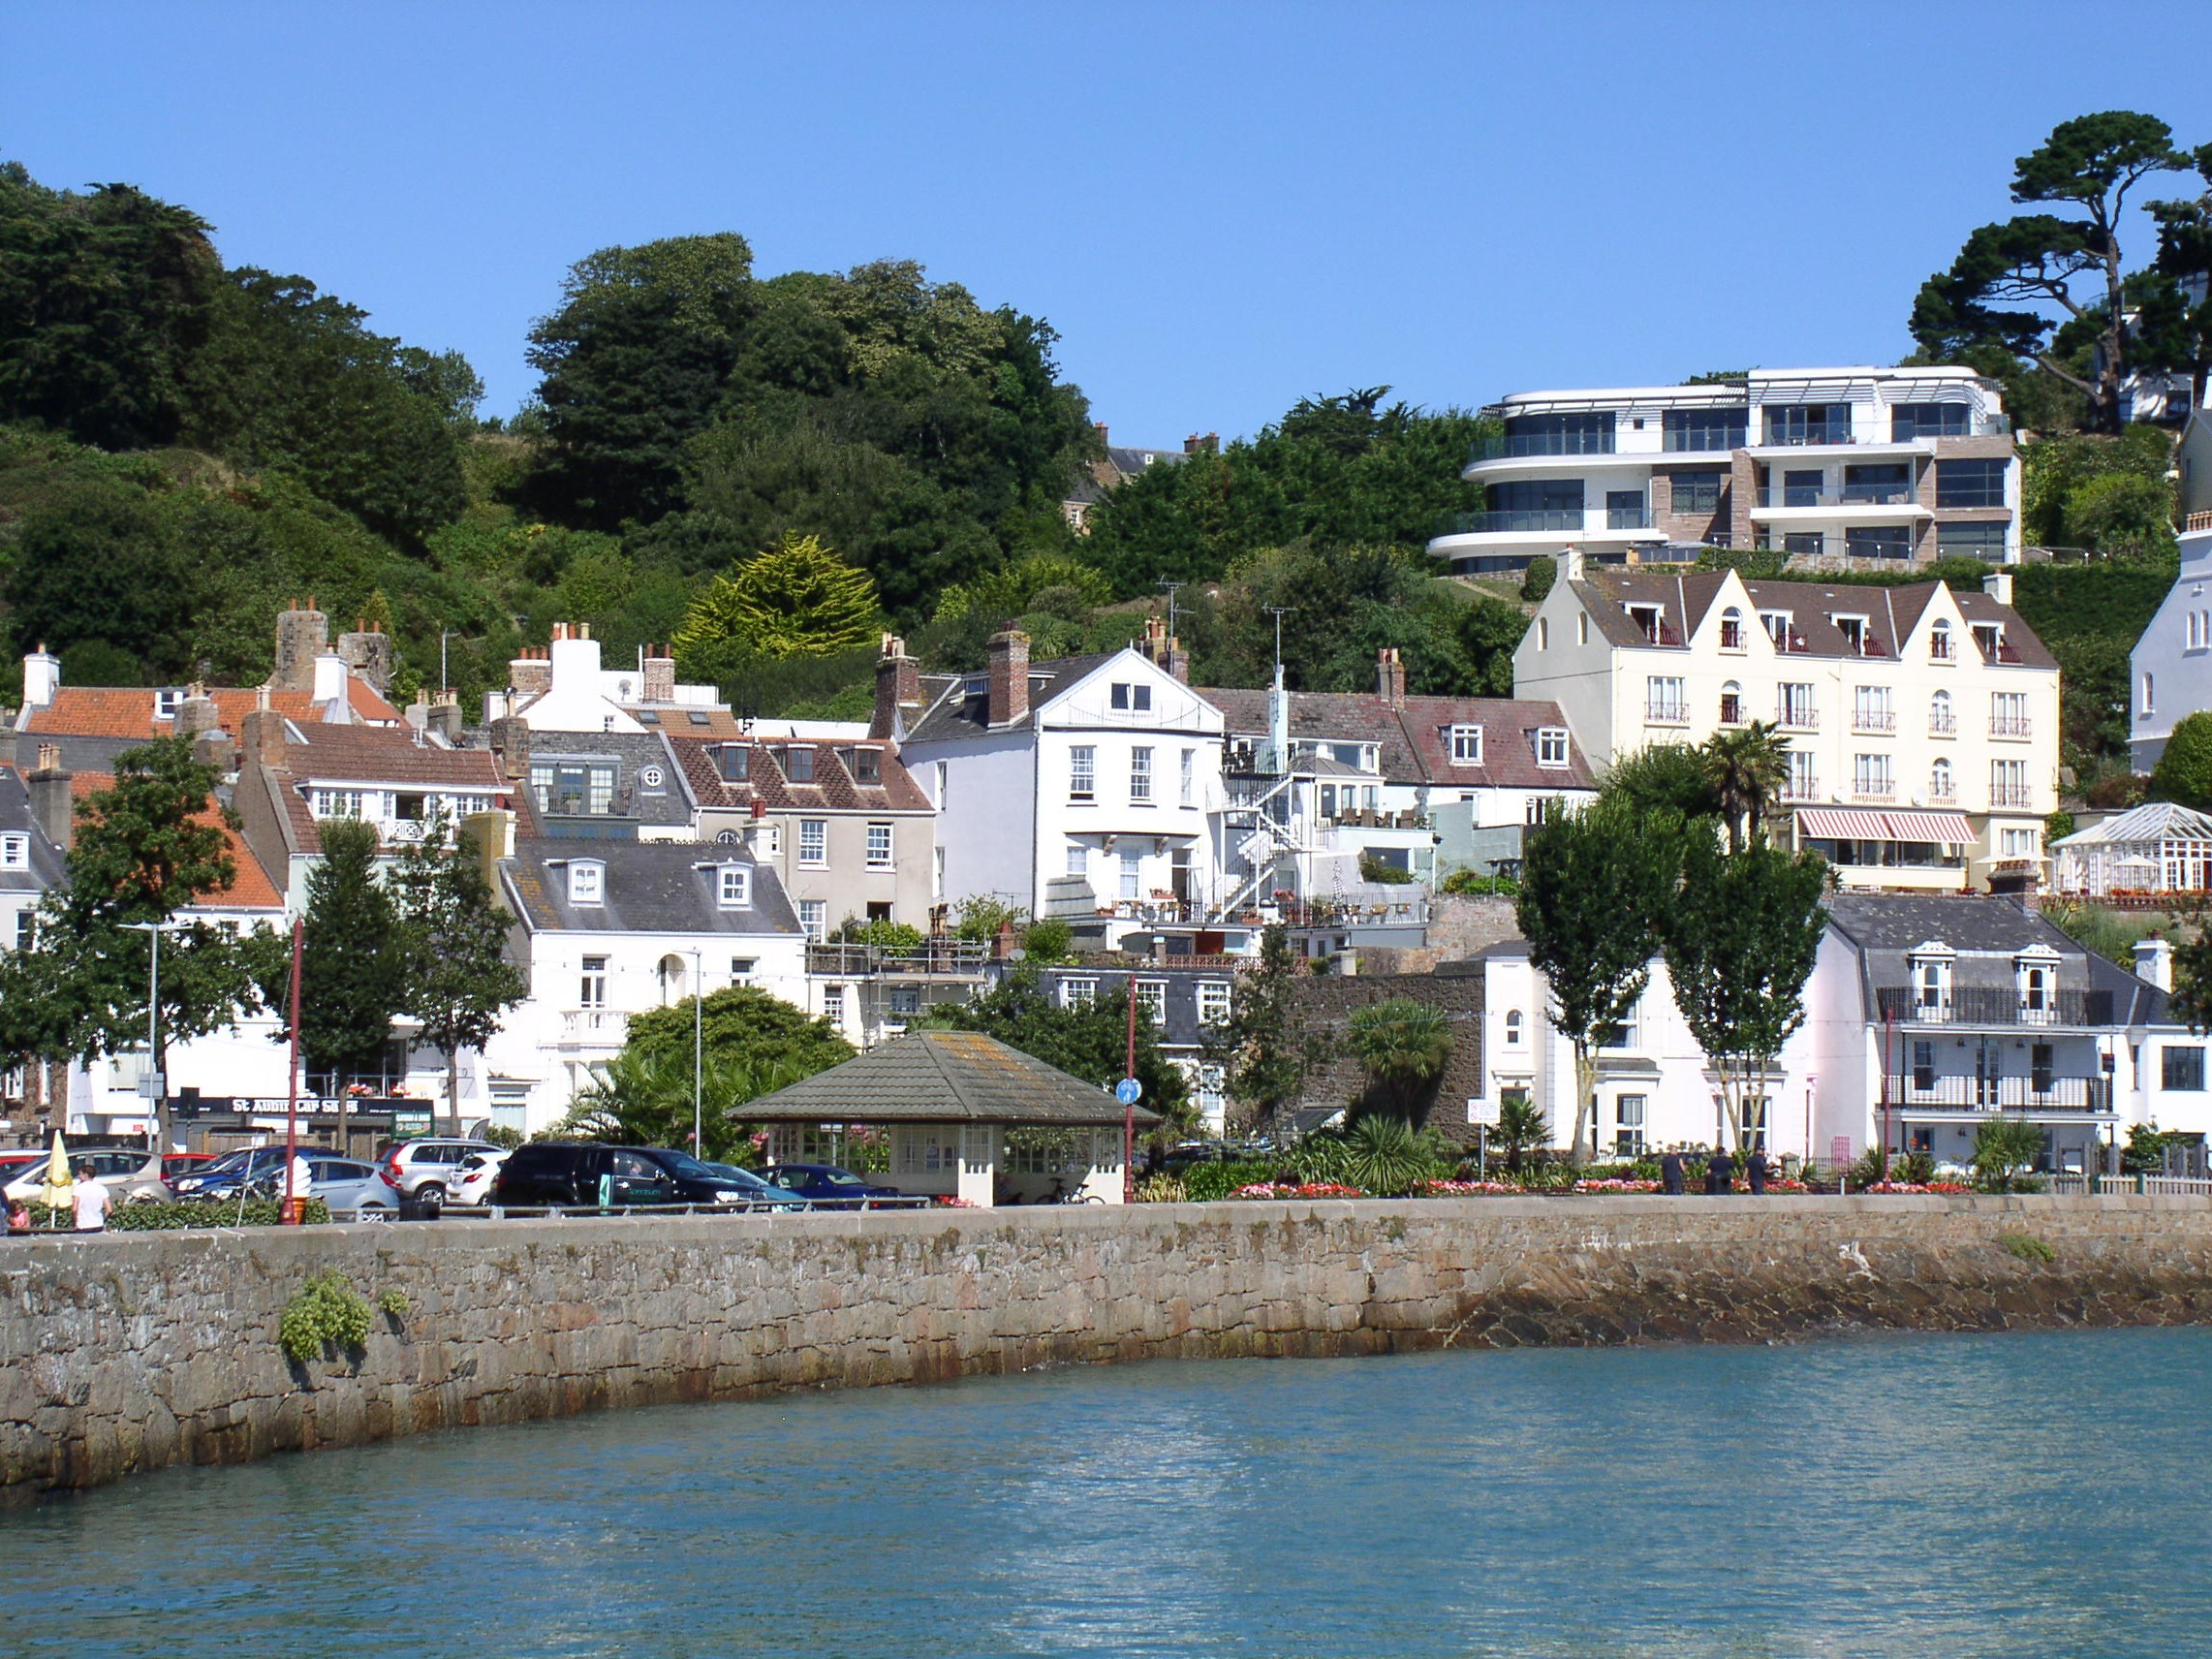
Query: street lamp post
[
  {"x": 155, "y": 1086},
  {"x": 697, "y": 1049}
]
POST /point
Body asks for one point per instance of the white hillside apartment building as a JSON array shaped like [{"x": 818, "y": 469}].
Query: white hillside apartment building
[
  {"x": 1890, "y": 467},
  {"x": 2170, "y": 669},
  {"x": 1922, "y": 723}
]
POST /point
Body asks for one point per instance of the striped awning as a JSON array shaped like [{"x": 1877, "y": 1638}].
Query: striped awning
[{"x": 1863, "y": 823}]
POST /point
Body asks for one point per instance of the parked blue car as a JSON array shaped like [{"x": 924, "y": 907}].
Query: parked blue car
[{"x": 825, "y": 1186}]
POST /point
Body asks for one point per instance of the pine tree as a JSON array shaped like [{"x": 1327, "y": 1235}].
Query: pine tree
[{"x": 796, "y": 599}]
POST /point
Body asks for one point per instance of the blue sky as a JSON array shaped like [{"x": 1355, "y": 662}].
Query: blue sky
[{"x": 1220, "y": 208}]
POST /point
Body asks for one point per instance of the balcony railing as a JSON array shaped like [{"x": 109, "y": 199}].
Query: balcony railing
[
  {"x": 595, "y": 1027},
  {"x": 1806, "y": 787},
  {"x": 1938, "y": 796},
  {"x": 953, "y": 958},
  {"x": 2004, "y": 795},
  {"x": 1851, "y": 495},
  {"x": 1540, "y": 444},
  {"x": 1870, "y": 721},
  {"x": 1515, "y": 521},
  {"x": 1798, "y": 718},
  {"x": 2002, "y": 1094},
  {"x": 2008, "y": 725},
  {"x": 1667, "y": 714},
  {"x": 1941, "y": 723},
  {"x": 1706, "y": 441},
  {"x": 1995, "y": 1004},
  {"x": 1628, "y": 517},
  {"x": 1880, "y": 792}
]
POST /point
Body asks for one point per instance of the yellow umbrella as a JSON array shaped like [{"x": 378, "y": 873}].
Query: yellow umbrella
[{"x": 61, "y": 1185}]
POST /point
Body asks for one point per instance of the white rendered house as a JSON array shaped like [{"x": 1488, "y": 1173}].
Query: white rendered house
[
  {"x": 1922, "y": 723},
  {"x": 2170, "y": 669},
  {"x": 1893, "y": 466}
]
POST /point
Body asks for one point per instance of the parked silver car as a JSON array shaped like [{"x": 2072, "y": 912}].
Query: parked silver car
[
  {"x": 352, "y": 1188},
  {"x": 130, "y": 1175},
  {"x": 429, "y": 1169}
]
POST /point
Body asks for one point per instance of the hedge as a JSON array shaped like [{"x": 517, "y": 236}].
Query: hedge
[{"x": 169, "y": 1217}]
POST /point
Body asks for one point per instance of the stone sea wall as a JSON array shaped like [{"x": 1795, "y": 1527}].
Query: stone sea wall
[{"x": 132, "y": 1351}]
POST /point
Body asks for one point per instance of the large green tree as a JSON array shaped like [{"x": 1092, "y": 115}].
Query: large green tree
[
  {"x": 1595, "y": 889},
  {"x": 1265, "y": 1049},
  {"x": 354, "y": 961},
  {"x": 459, "y": 982},
  {"x": 1740, "y": 941},
  {"x": 1745, "y": 769},
  {"x": 2183, "y": 769},
  {"x": 745, "y": 1031},
  {"x": 146, "y": 849},
  {"x": 2050, "y": 288},
  {"x": 1403, "y": 1046},
  {"x": 796, "y": 599}
]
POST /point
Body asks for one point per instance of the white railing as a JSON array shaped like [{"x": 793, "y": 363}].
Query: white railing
[{"x": 596, "y": 1028}]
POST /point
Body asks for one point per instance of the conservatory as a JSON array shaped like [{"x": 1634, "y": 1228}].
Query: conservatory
[{"x": 2142, "y": 855}]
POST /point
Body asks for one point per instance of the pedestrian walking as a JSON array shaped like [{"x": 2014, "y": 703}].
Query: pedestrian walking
[
  {"x": 89, "y": 1198},
  {"x": 1670, "y": 1172},
  {"x": 1756, "y": 1171}
]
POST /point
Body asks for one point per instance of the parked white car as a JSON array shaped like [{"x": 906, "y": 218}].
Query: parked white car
[{"x": 472, "y": 1181}]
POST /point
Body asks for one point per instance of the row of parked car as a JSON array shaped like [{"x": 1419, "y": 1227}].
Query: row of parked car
[{"x": 432, "y": 1173}]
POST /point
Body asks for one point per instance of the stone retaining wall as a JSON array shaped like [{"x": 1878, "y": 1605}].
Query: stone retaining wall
[{"x": 131, "y": 1351}]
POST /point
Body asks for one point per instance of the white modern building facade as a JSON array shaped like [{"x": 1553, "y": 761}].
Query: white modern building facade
[
  {"x": 1889, "y": 467},
  {"x": 1922, "y": 724},
  {"x": 2170, "y": 669}
]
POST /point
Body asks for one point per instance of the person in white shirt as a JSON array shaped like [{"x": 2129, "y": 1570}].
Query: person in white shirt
[{"x": 90, "y": 1199}]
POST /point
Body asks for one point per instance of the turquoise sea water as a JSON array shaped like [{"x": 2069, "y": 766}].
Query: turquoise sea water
[{"x": 1943, "y": 1495}]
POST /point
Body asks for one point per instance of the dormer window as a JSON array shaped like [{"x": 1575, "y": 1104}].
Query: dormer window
[
  {"x": 1990, "y": 637},
  {"x": 734, "y": 761},
  {"x": 1650, "y": 620},
  {"x": 1466, "y": 745},
  {"x": 587, "y": 881},
  {"x": 867, "y": 764},
  {"x": 1853, "y": 630},
  {"x": 1551, "y": 746},
  {"x": 1777, "y": 626},
  {"x": 14, "y": 852},
  {"x": 733, "y": 887},
  {"x": 799, "y": 765},
  {"x": 165, "y": 704},
  {"x": 1930, "y": 967},
  {"x": 2035, "y": 973}
]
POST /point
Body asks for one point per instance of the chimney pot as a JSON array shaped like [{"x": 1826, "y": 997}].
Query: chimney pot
[{"x": 1010, "y": 677}]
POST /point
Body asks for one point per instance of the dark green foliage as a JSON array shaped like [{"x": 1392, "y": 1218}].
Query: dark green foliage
[
  {"x": 2144, "y": 1154},
  {"x": 1214, "y": 1180},
  {"x": 2003, "y": 1148},
  {"x": 2184, "y": 772},
  {"x": 1537, "y": 582},
  {"x": 353, "y": 972},
  {"x": 1403, "y": 1046},
  {"x": 458, "y": 981},
  {"x": 1523, "y": 1129},
  {"x": 651, "y": 1097},
  {"x": 327, "y": 1317},
  {"x": 1386, "y": 1158},
  {"x": 1088, "y": 1040},
  {"x": 1669, "y": 778},
  {"x": 173, "y": 1217},
  {"x": 744, "y": 1029},
  {"x": 1264, "y": 1048},
  {"x": 1339, "y": 472}
]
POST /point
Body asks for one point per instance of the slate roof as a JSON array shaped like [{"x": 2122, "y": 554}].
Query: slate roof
[
  {"x": 834, "y": 788},
  {"x": 1415, "y": 742},
  {"x": 944, "y": 1077},
  {"x": 957, "y": 714},
  {"x": 1684, "y": 598},
  {"x": 650, "y": 887},
  {"x": 46, "y": 870},
  {"x": 1886, "y": 927},
  {"x": 636, "y": 756}
]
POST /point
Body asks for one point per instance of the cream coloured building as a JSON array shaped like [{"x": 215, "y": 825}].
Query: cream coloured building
[{"x": 1922, "y": 723}]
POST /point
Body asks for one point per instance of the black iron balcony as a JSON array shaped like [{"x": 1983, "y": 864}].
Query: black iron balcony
[
  {"x": 1994, "y": 1005},
  {"x": 2036, "y": 1092}
]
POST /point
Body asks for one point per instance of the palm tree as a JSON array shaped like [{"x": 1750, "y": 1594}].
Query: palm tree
[
  {"x": 1402, "y": 1047},
  {"x": 1522, "y": 1128},
  {"x": 644, "y": 1099},
  {"x": 1746, "y": 770}
]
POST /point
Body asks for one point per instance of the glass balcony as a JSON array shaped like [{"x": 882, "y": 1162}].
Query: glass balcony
[
  {"x": 1851, "y": 495},
  {"x": 1628, "y": 517},
  {"x": 1540, "y": 444},
  {"x": 1520, "y": 521}
]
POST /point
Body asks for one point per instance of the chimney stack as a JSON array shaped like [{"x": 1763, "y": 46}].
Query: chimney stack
[
  {"x": 446, "y": 717},
  {"x": 1391, "y": 677},
  {"x": 658, "y": 670},
  {"x": 1164, "y": 650},
  {"x": 367, "y": 652},
  {"x": 1209, "y": 445},
  {"x": 898, "y": 689},
  {"x": 213, "y": 747},
  {"x": 301, "y": 635},
  {"x": 42, "y": 677},
  {"x": 51, "y": 809},
  {"x": 260, "y": 736},
  {"x": 531, "y": 673},
  {"x": 510, "y": 740},
  {"x": 1009, "y": 678},
  {"x": 197, "y": 713},
  {"x": 1998, "y": 584},
  {"x": 2154, "y": 961}
]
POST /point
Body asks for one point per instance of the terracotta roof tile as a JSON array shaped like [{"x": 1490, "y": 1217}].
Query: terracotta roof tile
[
  {"x": 833, "y": 789},
  {"x": 251, "y": 889}
]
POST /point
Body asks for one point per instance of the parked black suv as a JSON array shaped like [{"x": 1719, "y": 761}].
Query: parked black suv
[{"x": 575, "y": 1172}]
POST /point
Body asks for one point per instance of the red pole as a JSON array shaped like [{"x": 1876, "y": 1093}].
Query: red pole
[
  {"x": 292, "y": 1199},
  {"x": 1129, "y": 1108}
]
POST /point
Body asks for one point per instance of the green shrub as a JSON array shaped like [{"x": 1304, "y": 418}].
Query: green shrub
[
  {"x": 2003, "y": 1148},
  {"x": 327, "y": 1315},
  {"x": 1204, "y": 1183},
  {"x": 1385, "y": 1157},
  {"x": 1319, "y": 1157},
  {"x": 1543, "y": 571},
  {"x": 201, "y": 1212},
  {"x": 1468, "y": 882},
  {"x": 1374, "y": 869},
  {"x": 2027, "y": 1247},
  {"x": 395, "y": 1304},
  {"x": 1048, "y": 943}
]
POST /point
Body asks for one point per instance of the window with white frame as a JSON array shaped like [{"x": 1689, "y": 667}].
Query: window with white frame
[
  {"x": 742, "y": 967},
  {"x": 336, "y": 802},
  {"x": 1551, "y": 746},
  {"x": 1870, "y": 709},
  {"x": 587, "y": 881},
  {"x": 1777, "y": 626},
  {"x": 1135, "y": 698},
  {"x": 1467, "y": 745},
  {"x": 1665, "y": 701},
  {"x": 1513, "y": 1028},
  {"x": 1152, "y": 997},
  {"x": 1082, "y": 772},
  {"x": 2016, "y": 843},
  {"x": 1629, "y": 1110},
  {"x": 1794, "y": 705},
  {"x": 1140, "y": 774},
  {"x": 814, "y": 918},
  {"x": 1942, "y": 721},
  {"x": 1132, "y": 870},
  {"x": 591, "y": 988},
  {"x": 2009, "y": 714},
  {"x": 879, "y": 846},
  {"x": 1869, "y": 778},
  {"x": 834, "y": 1004},
  {"x": 1803, "y": 783},
  {"x": 2007, "y": 783},
  {"x": 1943, "y": 787},
  {"x": 1079, "y": 993},
  {"x": 1078, "y": 860},
  {"x": 1213, "y": 1002},
  {"x": 26, "y": 928},
  {"x": 814, "y": 842},
  {"x": 1190, "y": 775},
  {"x": 1931, "y": 987},
  {"x": 734, "y": 888},
  {"x": 14, "y": 852}
]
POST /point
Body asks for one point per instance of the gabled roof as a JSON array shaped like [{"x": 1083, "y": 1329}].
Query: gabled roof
[
  {"x": 650, "y": 887},
  {"x": 45, "y": 866},
  {"x": 251, "y": 889},
  {"x": 386, "y": 754},
  {"x": 944, "y": 1076},
  {"x": 128, "y": 711},
  {"x": 956, "y": 714},
  {"x": 1415, "y": 742},
  {"x": 834, "y": 789},
  {"x": 2154, "y": 821}
]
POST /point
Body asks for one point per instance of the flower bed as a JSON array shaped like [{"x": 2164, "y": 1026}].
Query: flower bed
[
  {"x": 1947, "y": 1187},
  {"x": 1307, "y": 1189}
]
